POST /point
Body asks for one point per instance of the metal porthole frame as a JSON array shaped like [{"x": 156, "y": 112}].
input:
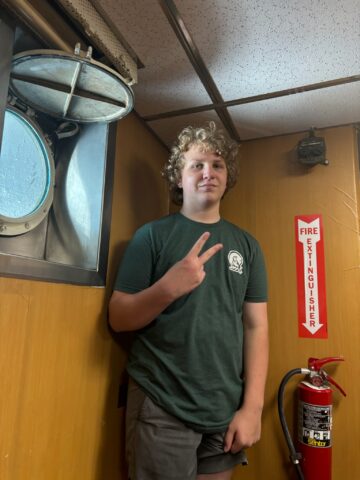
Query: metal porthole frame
[
  {"x": 77, "y": 86},
  {"x": 10, "y": 226}
]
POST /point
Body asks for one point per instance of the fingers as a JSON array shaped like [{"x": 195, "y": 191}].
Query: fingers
[
  {"x": 198, "y": 245},
  {"x": 232, "y": 443},
  {"x": 210, "y": 253},
  {"x": 228, "y": 441},
  {"x": 236, "y": 446}
]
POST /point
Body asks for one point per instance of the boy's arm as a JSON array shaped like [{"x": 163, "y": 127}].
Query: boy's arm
[
  {"x": 245, "y": 428},
  {"x": 132, "y": 311}
]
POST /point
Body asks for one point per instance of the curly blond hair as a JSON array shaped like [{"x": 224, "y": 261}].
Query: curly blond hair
[{"x": 209, "y": 139}]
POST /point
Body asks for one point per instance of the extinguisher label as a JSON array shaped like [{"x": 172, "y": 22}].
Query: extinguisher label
[
  {"x": 315, "y": 425},
  {"x": 310, "y": 266}
]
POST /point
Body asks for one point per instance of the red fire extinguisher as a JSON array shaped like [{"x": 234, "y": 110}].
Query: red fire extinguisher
[{"x": 312, "y": 457}]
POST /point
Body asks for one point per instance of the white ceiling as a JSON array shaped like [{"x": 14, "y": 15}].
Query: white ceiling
[{"x": 249, "y": 48}]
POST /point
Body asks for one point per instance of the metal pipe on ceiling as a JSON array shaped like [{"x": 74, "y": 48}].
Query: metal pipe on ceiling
[{"x": 37, "y": 23}]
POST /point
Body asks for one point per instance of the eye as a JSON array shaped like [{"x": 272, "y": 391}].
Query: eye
[
  {"x": 197, "y": 165},
  {"x": 219, "y": 166}
]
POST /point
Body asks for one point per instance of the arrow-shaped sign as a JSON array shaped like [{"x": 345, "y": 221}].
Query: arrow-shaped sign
[
  {"x": 311, "y": 276},
  {"x": 309, "y": 236}
]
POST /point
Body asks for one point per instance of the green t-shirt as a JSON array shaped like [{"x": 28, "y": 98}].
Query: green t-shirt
[{"x": 189, "y": 359}]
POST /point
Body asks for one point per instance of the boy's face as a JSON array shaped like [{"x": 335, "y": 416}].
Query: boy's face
[{"x": 203, "y": 178}]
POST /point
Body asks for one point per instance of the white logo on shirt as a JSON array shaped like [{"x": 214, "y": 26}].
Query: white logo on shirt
[{"x": 236, "y": 261}]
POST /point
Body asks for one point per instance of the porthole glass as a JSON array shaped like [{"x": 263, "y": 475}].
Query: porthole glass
[{"x": 26, "y": 174}]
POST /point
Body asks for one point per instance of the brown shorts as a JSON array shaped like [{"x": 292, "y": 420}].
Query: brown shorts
[{"x": 160, "y": 447}]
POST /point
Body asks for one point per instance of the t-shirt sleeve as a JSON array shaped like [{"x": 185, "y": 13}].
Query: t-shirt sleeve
[
  {"x": 257, "y": 290},
  {"x": 136, "y": 268}
]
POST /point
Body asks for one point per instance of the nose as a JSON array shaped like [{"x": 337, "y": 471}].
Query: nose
[{"x": 208, "y": 171}]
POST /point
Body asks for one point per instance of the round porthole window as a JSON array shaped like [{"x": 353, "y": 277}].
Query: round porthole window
[
  {"x": 63, "y": 86},
  {"x": 26, "y": 174}
]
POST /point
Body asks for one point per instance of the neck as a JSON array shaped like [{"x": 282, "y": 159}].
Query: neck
[{"x": 203, "y": 216}]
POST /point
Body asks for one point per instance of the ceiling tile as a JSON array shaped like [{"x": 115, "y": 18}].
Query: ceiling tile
[
  {"x": 168, "y": 129},
  {"x": 168, "y": 81},
  {"x": 322, "y": 108},
  {"x": 257, "y": 46},
  {"x": 250, "y": 47}
]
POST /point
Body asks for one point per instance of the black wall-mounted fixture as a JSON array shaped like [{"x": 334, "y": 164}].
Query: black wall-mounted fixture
[{"x": 312, "y": 150}]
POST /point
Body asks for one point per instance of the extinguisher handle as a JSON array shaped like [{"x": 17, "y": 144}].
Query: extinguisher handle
[
  {"x": 317, "y": 363},
  {"x": 332, "y": 381}
]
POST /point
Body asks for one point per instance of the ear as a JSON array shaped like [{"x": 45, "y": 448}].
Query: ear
[{"x": 179, "y": 184}]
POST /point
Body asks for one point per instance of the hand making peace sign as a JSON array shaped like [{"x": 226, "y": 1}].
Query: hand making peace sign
[{"x": 189, "y": 273}]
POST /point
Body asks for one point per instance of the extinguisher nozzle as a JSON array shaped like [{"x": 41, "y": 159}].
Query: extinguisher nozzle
[{"x": 295, "y": 458}]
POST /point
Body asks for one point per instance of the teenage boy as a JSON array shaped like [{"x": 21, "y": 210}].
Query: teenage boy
[{"x": 193, "y": 286}]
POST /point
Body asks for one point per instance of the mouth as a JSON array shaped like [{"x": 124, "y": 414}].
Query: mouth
[{"x": 207, "y": 185}]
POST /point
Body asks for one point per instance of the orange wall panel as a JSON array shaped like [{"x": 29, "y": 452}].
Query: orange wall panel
[
  {"x": 59, "y": 367},
  {"x": 273, "y": 188}
]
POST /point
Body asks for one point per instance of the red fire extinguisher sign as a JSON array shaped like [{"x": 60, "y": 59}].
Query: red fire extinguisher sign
[{"x": 310, "y": 266}]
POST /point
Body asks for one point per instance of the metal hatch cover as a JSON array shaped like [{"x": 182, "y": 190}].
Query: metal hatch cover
[{"x": 70, "y": 86}]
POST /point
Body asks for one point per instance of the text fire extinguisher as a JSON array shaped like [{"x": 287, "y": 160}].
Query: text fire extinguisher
[{"x": 312, "y": 457}]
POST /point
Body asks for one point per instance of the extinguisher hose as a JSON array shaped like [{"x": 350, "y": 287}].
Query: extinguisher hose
[{"x": 294, "y": 455}]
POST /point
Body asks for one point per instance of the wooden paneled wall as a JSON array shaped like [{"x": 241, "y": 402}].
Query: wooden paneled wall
[
  {"x": 59, "y": 366},
  {"x": 273, "y": 188}
]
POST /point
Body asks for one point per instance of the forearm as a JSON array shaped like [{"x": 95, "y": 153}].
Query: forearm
[
  {"x": 245, "y": 428},
  {"x": 133, "y": 311},
  {"x": 256, "y": 350}
]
